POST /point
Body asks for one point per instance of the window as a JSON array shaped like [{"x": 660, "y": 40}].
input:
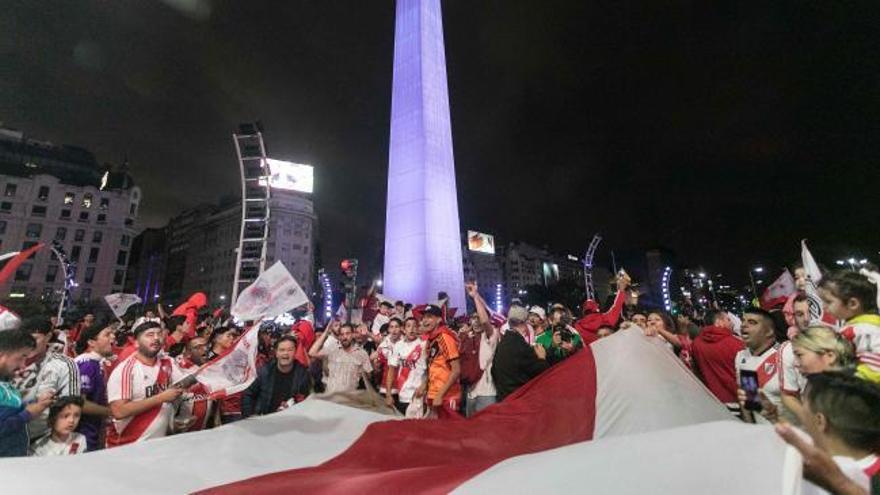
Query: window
[
  {"x": 43, "y": 193},
  {"x": 86, "y": 294},
  {"x": 51, "y": 273},
  {"x": 38, "y": 211},
  {"x": 48, "y": 292},
  {"x": 102, "y": 218},
  {"x": 90, "y": 275},
  {"x": 61, "y": 233},
  {"x": 93, "y": 255},
  {"x": 124, "y": 242},
  {"x": 132, "y": 210},
  {"x": 97, "y": 236},
  {"x": 118, "y": 277},
  {"x": 2, "y": 227},
  {"x": 65, "y": 214},
  {"x": 121, "y": 257},
  {"x": 83, "y": 216},
  {"x": 23, "y": 274},
  {"x": 79, "y": 235},
  {"x": 27, "y": 245},
  {"x": 34, "y": 230},
  {"x": 105, "y": 203},
  {"x": 74, "y": 253},
  {"x": 69, "y": 198},
  {"x": 129, "y": 222},
  {"x": 6, "y": 206},
  {"x": 87, "y": 200},
  {"x": 10, "y": 190}
]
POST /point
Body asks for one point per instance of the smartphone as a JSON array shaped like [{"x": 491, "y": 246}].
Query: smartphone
[{"x": 748, "y": 381}]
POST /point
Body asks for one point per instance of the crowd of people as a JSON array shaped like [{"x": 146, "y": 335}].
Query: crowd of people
[{"x": 100, "y": 384}]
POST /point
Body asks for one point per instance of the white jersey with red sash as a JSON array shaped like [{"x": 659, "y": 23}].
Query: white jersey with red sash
[
  {"x": 196, "y": 405},
  {"x": 766, "y": 365},
  {"x": 409, "y": 357},
  {"x": 133, "y": 380}
]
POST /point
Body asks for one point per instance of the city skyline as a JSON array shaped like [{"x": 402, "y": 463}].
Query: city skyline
[{"x": 566, "y": 121}]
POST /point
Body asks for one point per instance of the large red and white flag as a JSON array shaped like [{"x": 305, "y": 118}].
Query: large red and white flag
[
  {"x": 12, "y": 265},
  {"x": 776, "y": 294},
  {"x": 272, "y": 293},
  {"x": 623, "y": 416},
  {"x": 234, "y": 370},
  {"x": 8, "y": 319}
]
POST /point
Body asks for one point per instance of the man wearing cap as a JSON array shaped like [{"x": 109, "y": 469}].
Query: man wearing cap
[
  {"x": 444, "y": 368},
  {"x": 516, "y": 362},
  {"x": 593, "y": 319},
  {"x": 94, "y": 347},
  {"x": 46, "y": 372},
  {"x": 141, "y": 390}
]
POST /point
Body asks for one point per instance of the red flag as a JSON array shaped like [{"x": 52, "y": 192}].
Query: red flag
[
  {"x": 14, "y": 263},
  {"x": 777, "y": 293}
]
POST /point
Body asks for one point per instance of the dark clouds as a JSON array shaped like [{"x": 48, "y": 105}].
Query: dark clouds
[{"x": 724, "y": 131}]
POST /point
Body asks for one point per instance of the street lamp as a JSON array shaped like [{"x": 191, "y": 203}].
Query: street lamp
[
  {"x": 852, "y": 262},
  {"x": 757, "y": 269}
]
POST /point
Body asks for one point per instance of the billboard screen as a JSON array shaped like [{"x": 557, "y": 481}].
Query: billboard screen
[
  {"x": 291, "y": 176},
  {"x": 480, "y": 242}
]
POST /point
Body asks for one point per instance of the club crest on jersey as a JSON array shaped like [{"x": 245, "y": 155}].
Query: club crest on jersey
[{"x": 769, "y": 368}]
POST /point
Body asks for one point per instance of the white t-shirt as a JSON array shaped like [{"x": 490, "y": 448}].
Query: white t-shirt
[
  {"x": 791, "y": 381},
  {"x": 386, "y": 349},
  {"x": 409, "y": 357},
  {"x": 856, "y": 470},
  {"x": 133, "y": 380},
  {"x": 55, "y": 372},
  {"x": 378, "y": 321},
  {"x": 47, "y": 446},
  {"x": 485, "y": 387},
  {"x": 766, "y": 365}
]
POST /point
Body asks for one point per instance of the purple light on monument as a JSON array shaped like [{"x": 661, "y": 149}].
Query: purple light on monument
[{"x": 422, "y": 233}]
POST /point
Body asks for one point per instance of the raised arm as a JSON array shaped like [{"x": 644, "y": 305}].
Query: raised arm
[
  {"x": 315, "y": 351},
  {"x": 480, "y": 304},
  {"x": 610, "y": 317}
]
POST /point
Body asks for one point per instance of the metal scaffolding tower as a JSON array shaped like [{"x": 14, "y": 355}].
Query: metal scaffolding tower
[
  {"x": 588, "y": 267},
  {"x": 255, "y": 196}
]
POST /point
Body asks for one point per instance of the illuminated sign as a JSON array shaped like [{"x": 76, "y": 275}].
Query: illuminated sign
[
  {"x": 480, "y": 242},
  {"x": 291, "y": 176}
]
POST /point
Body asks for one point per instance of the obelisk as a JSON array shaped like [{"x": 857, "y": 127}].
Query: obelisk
[{"x": 422, "y": 232}]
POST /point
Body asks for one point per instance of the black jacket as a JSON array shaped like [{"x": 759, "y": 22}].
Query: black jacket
[
  {"x": 258, "y": 397},
  {"x": 514, "y": 364}
]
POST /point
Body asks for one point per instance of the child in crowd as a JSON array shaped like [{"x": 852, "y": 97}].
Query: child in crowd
[
  {"x": 851, "y": 297},
  {"x": 62, "y": 439},
  {"x": 842, "y": 414}
]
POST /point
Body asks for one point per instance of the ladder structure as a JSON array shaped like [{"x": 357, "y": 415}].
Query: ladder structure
[
  {"x": 588, "y": 267},
  {"x": 255, "y": 210}
]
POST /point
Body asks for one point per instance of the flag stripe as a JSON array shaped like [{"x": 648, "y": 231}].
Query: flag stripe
[{"x": 434, "y": 456}]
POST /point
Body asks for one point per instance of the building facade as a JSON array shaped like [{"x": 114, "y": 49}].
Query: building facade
[
  {"x": 61, "y": 193},
  {"x": 200, "y": 246}
]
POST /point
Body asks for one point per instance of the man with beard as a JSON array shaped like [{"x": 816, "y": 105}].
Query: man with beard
[
  {"x": 15, "y": 346},
  {"x": 282, "y": 379},
  {"x": 346, "y": 362},
  {"x": 141, "y": 390},
  {"x": 95, "y": 345},
  {"x": 195, "y": 410}
]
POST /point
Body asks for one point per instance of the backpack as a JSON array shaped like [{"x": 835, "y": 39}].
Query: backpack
[{"x": 469, "y": 358}]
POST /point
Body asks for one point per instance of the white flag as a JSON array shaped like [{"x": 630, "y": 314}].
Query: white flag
[
  {"x": 233, "y": 371},
  {"x": 8, "y": 319},
  {"x": 119, "y": 302},
  {"x": 814, "y": 276},
  {"x": 272, "y": 293}
]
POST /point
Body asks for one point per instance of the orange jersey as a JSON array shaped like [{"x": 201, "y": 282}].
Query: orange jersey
[{"x": 442, "y": 350}]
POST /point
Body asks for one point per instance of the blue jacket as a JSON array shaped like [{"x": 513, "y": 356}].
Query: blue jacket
[
  {"x": 258, "y": 397},
  {"x": 13, "y": 422}
]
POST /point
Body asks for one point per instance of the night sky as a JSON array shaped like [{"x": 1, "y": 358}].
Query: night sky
[{"x": 725, "y": 131}]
